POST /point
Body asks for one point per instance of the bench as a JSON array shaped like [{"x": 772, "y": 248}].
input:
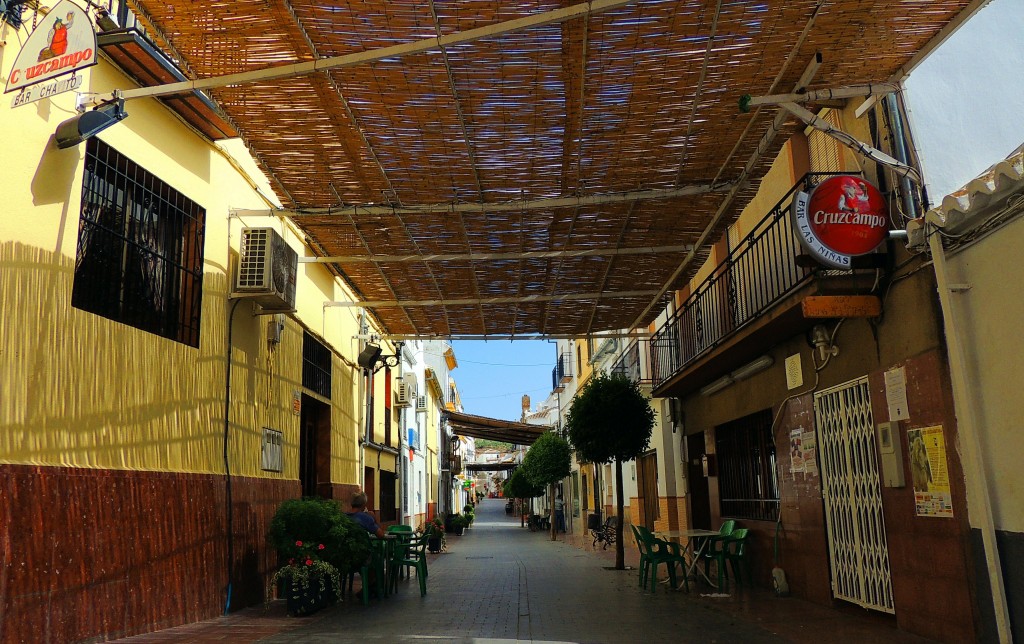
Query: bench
[{"x": 606, "y": 533}]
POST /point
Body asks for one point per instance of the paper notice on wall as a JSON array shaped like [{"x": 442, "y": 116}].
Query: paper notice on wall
[
  {"x": 796, "y": 450},
  {"x": 929, "y": 472},
  {"x": 896, "y": 394},
  {"x": 810, "y": 445}
]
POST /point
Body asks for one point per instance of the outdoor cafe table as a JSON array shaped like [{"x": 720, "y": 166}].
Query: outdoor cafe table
[{"x": 696, "y": 543}]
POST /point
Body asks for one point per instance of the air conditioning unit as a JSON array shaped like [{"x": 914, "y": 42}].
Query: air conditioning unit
[
  {"x": 267, "y": 267},
  {"x": 421, "y": 403},
  {"x": 405, "y": 391}
]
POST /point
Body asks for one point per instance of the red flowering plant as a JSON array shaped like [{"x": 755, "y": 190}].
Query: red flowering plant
[
  {"x": 307, "y": 571},
  {"x": 316, "y": 545}
]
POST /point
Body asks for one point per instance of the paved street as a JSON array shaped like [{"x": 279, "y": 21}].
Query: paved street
[{"x": 503, "y": 583}]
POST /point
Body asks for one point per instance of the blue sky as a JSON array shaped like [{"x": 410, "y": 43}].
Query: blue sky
[{"x": 493, "y": 376}]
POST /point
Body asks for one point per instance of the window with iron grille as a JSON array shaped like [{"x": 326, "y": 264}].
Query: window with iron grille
[
  {"x": 747, "y": 478},
  {"x": 140, "y": 248},
  {"x": 316, "y": 366}
]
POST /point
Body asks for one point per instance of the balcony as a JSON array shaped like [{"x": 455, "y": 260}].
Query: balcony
[
  {"x": 629, "y": 362},
  {"x": 562, "y": 373},
  {"x": 751, "y": 300}
]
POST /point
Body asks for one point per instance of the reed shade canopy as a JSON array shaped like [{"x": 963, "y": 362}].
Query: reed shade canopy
[
  {"x": 495, "y": 429},
  {"x": 556, "y": 180}
]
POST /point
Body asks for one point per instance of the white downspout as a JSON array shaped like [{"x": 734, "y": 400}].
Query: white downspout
[{"x": 979, "y": 503}]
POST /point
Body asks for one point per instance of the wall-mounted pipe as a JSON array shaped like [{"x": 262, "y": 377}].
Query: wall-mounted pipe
[{"x": 900, "y": 149}]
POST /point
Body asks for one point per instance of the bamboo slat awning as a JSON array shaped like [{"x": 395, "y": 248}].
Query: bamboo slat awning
[
  {"x": 558, "y": 179},
  {"x": 505, "y": 431}
]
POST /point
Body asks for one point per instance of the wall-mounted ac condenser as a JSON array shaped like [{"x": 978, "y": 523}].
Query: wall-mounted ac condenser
[
  {"x": 405, "y": 391},
  {"x": 267, "y": 268}
]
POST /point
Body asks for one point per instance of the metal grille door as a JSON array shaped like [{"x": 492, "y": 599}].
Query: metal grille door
[{"x": 859, "y": 556}]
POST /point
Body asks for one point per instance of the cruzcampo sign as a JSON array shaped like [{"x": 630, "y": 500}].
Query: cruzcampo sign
[
  {"x": 63, "y": 42},
  {"x": 841, "y": 218}
]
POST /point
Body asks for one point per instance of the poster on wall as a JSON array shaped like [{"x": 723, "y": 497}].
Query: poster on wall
[
  {"x": 796, "y": 451},
  {"x": 929, "y": 473},
  {"x": 810, "y": 445},
  {"x": 803, "y": 452}
]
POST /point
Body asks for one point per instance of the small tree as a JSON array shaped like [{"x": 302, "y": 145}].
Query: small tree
[
  {"x": 518, "y": 486},
  {"x": 548, "y": 461},
  {"x": 610, "y": 419}
]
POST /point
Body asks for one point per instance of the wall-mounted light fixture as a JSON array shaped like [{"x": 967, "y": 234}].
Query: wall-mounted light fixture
[
  {"x": 88, "y": 124},
  {"x": 372, "y": 357},
  {"x": 742, "y": 373}
]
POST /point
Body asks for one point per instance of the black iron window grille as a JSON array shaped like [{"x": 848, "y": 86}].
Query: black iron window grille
[
  {"x": 140, "y": 248},
  {"x": 748, "y": 484},
  {"x": 316, "y": 366}
]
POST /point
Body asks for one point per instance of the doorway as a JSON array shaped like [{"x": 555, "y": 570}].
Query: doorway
[
  {"x": 852, "y": 493},
  {"x": 700, "y": 498},
  {"x": 370, "y": 487},
  {"x": 647, "y": 488},
  {"x": 315, "y": 448}
]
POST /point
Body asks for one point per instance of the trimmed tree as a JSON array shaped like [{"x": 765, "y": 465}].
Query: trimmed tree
[
  {"x": 518, "y": 486},
  {"x": 610, "y": 419},
  {"x": 548, "y": 461}
]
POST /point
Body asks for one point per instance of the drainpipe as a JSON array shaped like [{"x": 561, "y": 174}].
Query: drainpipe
[
  {"x": 363, "y": 396},
  {"x": 403, "y": 467},
  {"x": 900, "y": 148},
  {"x": 973, "y": 463}
]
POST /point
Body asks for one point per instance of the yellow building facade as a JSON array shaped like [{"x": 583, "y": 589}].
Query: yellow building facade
[{"x": 134, "y": 470}]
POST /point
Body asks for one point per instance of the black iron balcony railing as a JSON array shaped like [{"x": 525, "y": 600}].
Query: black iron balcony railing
[
  {"x": 752, "y": 278},
  {"x": 629, "y": 364},
  {"x": 562, "y": 373}
]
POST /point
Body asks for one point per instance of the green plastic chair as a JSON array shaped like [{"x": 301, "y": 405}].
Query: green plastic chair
[
  {"x": 713, "y": 548},
  {"x": 735, "y": 540},
  {"x": 411, "y": 553},
  {"x": 736, "y": 554},
  {"x": 378, "y": 550},
  {"x": 404, "y": 531},
  {"x": 678, "y": 555},
  {"x": 659, "y": 552},
  {"x": 641, "y": 545}
]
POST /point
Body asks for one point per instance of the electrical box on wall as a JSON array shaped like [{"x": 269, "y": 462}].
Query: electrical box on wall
[
  {"x": 891, "y": 449},
  {"x": 272, "y": 456}
]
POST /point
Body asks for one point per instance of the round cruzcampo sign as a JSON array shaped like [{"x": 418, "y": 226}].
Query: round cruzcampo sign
[{"x": 842, "y": 217}]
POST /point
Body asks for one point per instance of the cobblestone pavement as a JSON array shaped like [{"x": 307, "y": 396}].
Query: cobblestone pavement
[{"x": 502, "y": 583}]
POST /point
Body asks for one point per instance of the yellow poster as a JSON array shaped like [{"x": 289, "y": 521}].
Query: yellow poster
[{"x": 929, "y": 472}]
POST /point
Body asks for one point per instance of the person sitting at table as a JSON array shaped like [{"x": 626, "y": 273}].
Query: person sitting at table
[{"x": 362, "y": 517}]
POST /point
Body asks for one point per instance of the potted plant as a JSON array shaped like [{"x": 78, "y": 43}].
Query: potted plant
[
  {"x": 470, "y": 513},
  {"x": 435, "y": 534},
  {"x": 458, "y": 524},
  {"x": 316, "y": 531},
  {"x": 310, "y": 583}
]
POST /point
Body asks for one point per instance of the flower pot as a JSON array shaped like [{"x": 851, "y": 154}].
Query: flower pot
[
  {"x": 307, "y": 600},
  {"x": 434, "y": 544}
]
